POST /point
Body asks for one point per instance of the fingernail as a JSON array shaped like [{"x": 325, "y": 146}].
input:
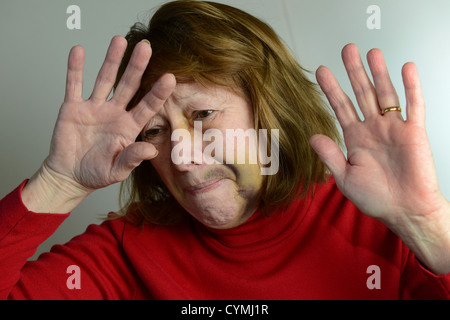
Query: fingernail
[
  {"x": 156, "y": 154},
  {"x": 146, "y": 41}
]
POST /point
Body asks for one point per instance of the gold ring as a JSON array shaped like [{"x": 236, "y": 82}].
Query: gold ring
[{"x": 390, "y": 110}]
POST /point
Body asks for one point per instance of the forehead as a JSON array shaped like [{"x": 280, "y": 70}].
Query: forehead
[
  {"x": 191, "y": 97},
  {"x": 192, "y": 94},
  {"x": 193, "y": 90}
]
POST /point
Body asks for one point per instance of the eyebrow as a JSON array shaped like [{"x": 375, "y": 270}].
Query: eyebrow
[
  {"x": 153, "y": 121},
  {"x": 178, "y": 97}
]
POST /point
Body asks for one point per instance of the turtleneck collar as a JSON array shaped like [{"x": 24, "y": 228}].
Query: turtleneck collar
[{"x": 259, "y": 230}]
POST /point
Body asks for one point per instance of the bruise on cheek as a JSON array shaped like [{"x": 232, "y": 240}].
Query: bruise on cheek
[
  {"x": 249, "y": 187},
  {"x": 252, "y": 197}
]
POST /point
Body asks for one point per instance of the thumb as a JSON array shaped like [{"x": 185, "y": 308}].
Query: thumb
[
  {"x": 330, "y": 154},
  {"x": 133, "y": 155}
]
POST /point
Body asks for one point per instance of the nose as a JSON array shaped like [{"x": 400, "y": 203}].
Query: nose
[
  {"x": 187, "y": 147},
  {"x": 190, "y": 147}
]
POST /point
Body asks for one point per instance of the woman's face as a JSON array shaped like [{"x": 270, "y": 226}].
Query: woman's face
[{"x": 197, "y": 170}]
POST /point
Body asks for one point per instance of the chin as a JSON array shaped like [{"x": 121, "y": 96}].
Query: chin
[
  {"x": 217, "y": 217},
  {"x": 217, "y": 214},
  {"x": 220, "y": 207}
]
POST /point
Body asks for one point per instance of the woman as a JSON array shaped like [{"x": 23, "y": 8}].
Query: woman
[{"x": 220, "y": 230}]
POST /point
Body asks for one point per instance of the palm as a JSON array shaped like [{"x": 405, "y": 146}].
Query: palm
[
  {"x": 94, "y": 140},
  {"x": 78, "y": 130},
  {"x": 389, "y": 172},
  {"x": 382, "y": 158}
]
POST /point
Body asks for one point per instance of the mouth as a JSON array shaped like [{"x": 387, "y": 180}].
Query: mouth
[{"x": 205, "y": 186}]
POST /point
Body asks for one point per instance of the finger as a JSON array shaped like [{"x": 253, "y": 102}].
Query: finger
[
  {"x": 362, "y": 86},
  {"x": 74, "y": 80},
  {"x": 386, "y": 94},
  {"x": 339, "y": 101},
  {"x": 154, "y": 100},
  {"x": 131, "y": 79},
  {"x": 415, "y": 104},
  {"x": 330, "y": 154},
  {"x": 107, "y": 74}
]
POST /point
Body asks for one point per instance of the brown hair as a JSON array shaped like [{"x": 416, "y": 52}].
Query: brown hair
[{"x": 214, "y": 43}]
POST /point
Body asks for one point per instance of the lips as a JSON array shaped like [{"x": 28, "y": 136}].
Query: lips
[{"x": 205, "y": 186}]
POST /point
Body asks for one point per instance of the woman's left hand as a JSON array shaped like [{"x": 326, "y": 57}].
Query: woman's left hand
[{"x": 389, "y": 172}]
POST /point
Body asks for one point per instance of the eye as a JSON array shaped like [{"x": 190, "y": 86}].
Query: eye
[
  {"x": 203, "y": 114},
  {"x": 152, "y": 133}
]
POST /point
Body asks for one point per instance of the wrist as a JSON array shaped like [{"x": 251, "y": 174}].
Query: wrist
[
  {"x": 429, "y": 239},
  {"x": 50, "y": 192}
]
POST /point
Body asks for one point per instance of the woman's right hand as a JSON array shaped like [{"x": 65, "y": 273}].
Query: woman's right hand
[{"x": 93, "y": 144}]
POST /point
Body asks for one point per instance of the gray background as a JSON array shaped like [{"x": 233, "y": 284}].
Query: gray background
[{"x": 35, "y": 43}]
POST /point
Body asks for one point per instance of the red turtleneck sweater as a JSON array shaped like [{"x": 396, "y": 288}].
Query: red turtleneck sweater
[{"x": 322, "y": 248}]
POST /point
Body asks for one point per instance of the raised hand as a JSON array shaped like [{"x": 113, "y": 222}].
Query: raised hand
[
  {"x": 93, "y": 144},
  {"x": 389, "y": 173}
]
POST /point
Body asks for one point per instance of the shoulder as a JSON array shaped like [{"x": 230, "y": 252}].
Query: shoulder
[
  {"x": 332, "y": 204},
  {"x": 330, "y": 208},
  {"x": 326, "y": 198},
  {"x": 129, "y": 227}
]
